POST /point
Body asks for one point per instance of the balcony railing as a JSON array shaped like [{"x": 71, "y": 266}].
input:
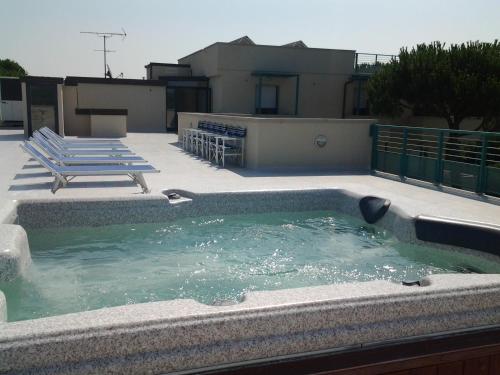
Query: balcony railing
[
  {"x": 467, "y": 160},
  {"x": 369, "y": 63}
]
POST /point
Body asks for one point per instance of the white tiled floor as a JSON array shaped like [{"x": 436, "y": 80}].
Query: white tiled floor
[{"x": 21, "y": 178}]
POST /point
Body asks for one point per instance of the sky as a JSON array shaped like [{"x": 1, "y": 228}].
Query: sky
[{"x": 44, "y": 35}]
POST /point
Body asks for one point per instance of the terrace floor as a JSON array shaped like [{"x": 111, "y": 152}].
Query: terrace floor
[{"x": 21, "y": 178}]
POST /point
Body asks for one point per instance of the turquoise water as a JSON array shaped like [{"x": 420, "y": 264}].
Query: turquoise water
[{"x": 213, "y": 260}]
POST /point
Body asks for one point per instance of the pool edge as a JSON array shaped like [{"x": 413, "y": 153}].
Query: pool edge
[{"x": 142, "y": 343}]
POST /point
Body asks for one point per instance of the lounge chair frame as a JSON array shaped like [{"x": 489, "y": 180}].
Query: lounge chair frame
[
  {"x": 63, "y": 174},
  {"x": 60, "y": 159}
]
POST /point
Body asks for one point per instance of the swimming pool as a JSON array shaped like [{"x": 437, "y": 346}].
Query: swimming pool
[
  {"x": 215, "y": 260},
  {"x": 187, "y": 329}
]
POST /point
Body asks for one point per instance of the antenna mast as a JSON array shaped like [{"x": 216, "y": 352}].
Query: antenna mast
[{"x": 105, "y": 36}]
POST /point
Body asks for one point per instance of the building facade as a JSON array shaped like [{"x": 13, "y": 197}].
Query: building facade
[
  {"x": 274, "y": 80},
  {"x": 238, "y": 77}
]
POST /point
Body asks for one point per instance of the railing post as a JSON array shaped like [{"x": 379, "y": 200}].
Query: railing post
[
  {"x": 404, "y": 157},
  {"x": 481, "y": 180},
  {"x": 374, "y": 133},
  {"x": 439, "y": 160}
]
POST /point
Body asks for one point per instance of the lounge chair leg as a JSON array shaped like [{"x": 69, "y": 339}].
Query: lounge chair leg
[
  {"x": 59, "y": 182},
  {"x": 139, "y": 179}
]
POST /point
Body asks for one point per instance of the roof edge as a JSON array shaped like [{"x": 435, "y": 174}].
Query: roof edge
[
  {"x": 75, "y": 80},
  {"x": 168, "y": 64},
  {"x": 268, "y": 46}
]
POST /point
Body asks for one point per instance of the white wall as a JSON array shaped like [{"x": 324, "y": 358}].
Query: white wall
[
  {"x": 146, "y": 105},
  {"x": 166, "y": 70},
  {"x": 230, "y": 67},
  {"x": 290, "y": 142},
  {"x": 108, "y": 126}
]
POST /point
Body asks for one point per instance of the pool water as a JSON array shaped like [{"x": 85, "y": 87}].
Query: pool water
[{"x": 213, "y": 260}]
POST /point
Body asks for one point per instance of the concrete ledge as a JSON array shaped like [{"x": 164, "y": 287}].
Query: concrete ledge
[
  {"x": 8, "y": 212},
  {"x": 14, "y": 252},
  {"x": 182, "y": 334},
  {"x": 158, "y": 208}
]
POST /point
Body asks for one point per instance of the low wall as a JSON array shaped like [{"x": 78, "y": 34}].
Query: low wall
[
  {"x": 145, "y": 106},
  {"x": 291, "y": 142}
]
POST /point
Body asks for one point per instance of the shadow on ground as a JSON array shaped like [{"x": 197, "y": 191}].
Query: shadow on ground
[
  {"x": 10, "y": 137},
  {"x": 273, "y": 172},
  {"x": 32, "y": 175},
  {"x": 32, "y": 166},
  {"x": 75, "y": 185}
]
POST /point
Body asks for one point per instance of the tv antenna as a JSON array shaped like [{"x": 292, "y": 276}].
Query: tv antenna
[
  {"x": 105, "y": 36},
  {"x": 110, "y": 75}
]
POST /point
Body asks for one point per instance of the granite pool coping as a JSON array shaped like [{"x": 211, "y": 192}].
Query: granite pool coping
[{"x": 183, "y": 335}]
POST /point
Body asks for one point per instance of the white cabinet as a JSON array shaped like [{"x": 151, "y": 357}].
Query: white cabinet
[
  {"x": 11, "y": 110},
  {"x": 11, "y": 105}
]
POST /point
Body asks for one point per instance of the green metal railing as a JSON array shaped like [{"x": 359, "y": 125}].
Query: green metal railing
[
  {"x": 467, "y": 160},
  {"x": 369, "y": 63}
]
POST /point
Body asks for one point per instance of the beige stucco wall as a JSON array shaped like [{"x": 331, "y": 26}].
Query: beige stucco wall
[
  {"x": 235, "y": 92},
  {"x": 204, "y": 62},
  {"x": 75, "y": 125},
  {"x": 288, "y": 59},
  {"x": 60, "y": 108},
  {"x": 164, "y": 70},
  {"x": 229, "y": 67},
  {"x": 290, "y": 142},
  {"x": 25, "y": 109},
  {"x": 113, "y": 126},
  {"x": 319, "y": 95},
  {"x": 145, "y": 105}
]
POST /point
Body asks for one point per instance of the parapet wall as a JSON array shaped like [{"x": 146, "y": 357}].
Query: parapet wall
[{"x": 281, "y": 142}]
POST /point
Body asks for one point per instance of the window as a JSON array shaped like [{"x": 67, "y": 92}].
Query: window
[
  {"x": 360, "y": 106},
  {"x": 44, "y": 94},
  {"x": 170, "y": 98},
  {"x": 10, "y": 89},
  {"x": 268, "y": 99}
]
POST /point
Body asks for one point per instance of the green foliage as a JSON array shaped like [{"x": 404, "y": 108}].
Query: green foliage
[
  {"x": 10, "y": 68},
  {"x": 368, "y": 67},
  {"x": 454, "y": 83}
]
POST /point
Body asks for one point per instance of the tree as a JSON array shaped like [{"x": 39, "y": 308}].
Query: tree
[
  {"x": 10, "y": 68},
  {"x": 454, "y": 83}
]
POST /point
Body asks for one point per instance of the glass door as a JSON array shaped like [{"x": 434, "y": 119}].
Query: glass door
[{"x": 185, "y": 99}]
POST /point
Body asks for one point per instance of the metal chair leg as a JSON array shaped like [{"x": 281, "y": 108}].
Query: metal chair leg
[
  {"x": 139, "y": 179},
  {"x": 59, "y": 182}
]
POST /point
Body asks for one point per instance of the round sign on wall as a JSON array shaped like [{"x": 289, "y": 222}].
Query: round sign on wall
[{"x": 320, "y": 140}]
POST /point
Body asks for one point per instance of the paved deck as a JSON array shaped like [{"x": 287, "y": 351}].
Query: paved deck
[{"x": 21, "y": 178}]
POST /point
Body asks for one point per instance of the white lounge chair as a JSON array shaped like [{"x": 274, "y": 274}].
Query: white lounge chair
[
  {"x": 57, "y": 141},
  {"x": 81, "y": 160},
  {"x": 62, "y": 173},
  {"x": 49, "y": 133},
  {"x": 83, "y": 151}
]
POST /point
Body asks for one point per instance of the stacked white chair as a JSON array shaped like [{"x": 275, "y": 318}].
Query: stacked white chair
[{"x": 215, "y": 142}]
